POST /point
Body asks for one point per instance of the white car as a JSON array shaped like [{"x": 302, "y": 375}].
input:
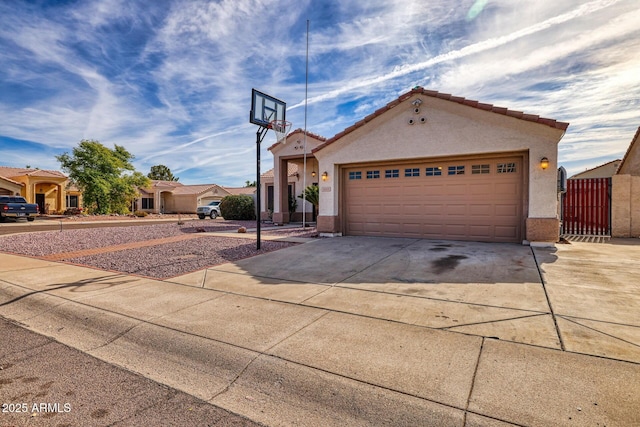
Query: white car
[{"x": 212, "y": 210}]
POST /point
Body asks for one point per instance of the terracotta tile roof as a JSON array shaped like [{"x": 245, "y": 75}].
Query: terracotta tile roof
[
  {"x": 292, "y": 170},
  {"x": 160, "y": 183},
  {"x": 240, "y": 190},
  {"x": 634, "y": 141},
  {"x": 300, "y": 131},
  {"x": 448, "y": 97},
  {"x": 45, "y": 173},
  {"x": 193, "y": 189}
]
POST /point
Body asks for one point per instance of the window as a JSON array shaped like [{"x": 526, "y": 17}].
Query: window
[
  {"x": 270, "y": 198},
  {"x": 480, "y": 169},
  {"x": 72, "y": 201},
  {"x": 392, "y": 173},
  {"x": 147, "y": 203},
  {"x": 355, "y": 175},
  {"x": 373, "y": 174},
  {"x": 506, "y": 168},
  {"x": 433, "y": 171},
  {"x": 456, "y": 170},
  {"x": 412, "y": 172}
]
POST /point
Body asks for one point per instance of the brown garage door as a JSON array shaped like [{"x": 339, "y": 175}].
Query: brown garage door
[{"x": 477, "y": 200}]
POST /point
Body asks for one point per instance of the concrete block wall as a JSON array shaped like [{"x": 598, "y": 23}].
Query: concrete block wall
[{"x": 625, "y": 206}]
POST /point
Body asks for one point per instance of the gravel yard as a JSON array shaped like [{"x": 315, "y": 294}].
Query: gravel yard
[
  {"x": 174, "y": 259},
  {"x": 159, "y": 260}
]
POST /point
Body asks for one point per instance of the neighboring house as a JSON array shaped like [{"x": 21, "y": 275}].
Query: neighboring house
[
  {"x": 606, "y": 170},
  {"x": 625, "y": 203},
  {"x": 175, "y": 197},
  {"x": 431, "y": 165},
  {"x": 50, "y": 189}
]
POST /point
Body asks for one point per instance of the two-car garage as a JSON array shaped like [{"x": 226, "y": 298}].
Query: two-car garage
[
  {"x": 478, "y": 199},
  {"x": 436, "y": 166}
]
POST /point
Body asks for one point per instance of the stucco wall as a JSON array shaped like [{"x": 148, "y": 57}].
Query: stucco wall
[
  {"x": 625, "y": 206},
  {"x": 10, "y": 188},
  {"x": 181, "y": 203},
  {"x": 450, "y": 129}
]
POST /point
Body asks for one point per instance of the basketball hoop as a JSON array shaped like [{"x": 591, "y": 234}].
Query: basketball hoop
[{"x": 281, "y": 128}]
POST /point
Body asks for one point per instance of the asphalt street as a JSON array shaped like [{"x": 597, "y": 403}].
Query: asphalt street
[{"x": 46, "y": 383}]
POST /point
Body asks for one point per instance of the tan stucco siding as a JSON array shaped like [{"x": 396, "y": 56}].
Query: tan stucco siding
[
  {"x": 450, "y": 129},
  {"x": 181, "y": 203}
]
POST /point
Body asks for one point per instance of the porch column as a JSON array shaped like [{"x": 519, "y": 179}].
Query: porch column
[
  {"x": 61, "y": 198},
  {"x": 281, "y": 192}
]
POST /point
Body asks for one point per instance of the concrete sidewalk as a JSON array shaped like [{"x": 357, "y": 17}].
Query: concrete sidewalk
[{"x": 363, "y": 331}]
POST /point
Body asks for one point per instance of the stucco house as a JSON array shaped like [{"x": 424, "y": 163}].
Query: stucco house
[
  {"x": 432, "y": 165},
  {"x": 606, "y": 170},
  {"x": 50, "y": 189},
  {"x": 175, "y": 197}
]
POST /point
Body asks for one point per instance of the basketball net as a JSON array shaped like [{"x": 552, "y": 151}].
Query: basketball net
[{"x": 281, "y": 128}]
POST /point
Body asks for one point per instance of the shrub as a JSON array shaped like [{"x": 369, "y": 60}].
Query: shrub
[
  {"x": 73, "y": 211},
  {"x": 239, "y": 207},
  {"x": 140, "y": 214}
]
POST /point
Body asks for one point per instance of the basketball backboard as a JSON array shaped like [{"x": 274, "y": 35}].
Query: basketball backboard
[{"x": 265, "y": 109}]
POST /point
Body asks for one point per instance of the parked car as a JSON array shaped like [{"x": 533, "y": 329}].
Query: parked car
[
  {"x": 17, "y": 207},
  {"x": 212, "y": 210}
]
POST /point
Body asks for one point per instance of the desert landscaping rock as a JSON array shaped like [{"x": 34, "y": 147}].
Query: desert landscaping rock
[
  {"x": 174, "y": 259},
  {"x": 155, "y": 260}
]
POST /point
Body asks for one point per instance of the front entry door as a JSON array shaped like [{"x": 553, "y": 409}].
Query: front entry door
[{"x": 40, "y": 202}]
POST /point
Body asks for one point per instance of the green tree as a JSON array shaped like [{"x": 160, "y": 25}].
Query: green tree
[
  {"x": 312, "y": 195},
  {"x": 100, "y": 173},
  {"x": 161, "y": 173},
  {"x": 250, "y": 184}
]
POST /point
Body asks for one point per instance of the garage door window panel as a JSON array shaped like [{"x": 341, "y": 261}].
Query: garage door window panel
[
  {"x": 480, "y": 169},
  {"x": 433, "y": 171},
  {"x": 506, "y": 168},
  {"x": 392, "y": 173},
  {"x": 455, "y": 170},
  {"x": 355, "y": 175},
  {"x": 411, "y": 172},
  {"x": 373, "y": 174}
]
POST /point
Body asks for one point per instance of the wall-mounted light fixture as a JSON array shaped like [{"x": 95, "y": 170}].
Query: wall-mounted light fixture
[
  {"x": 325, "y": 176},
  {"x": 544, "y": 163},
  {"x": 313, "y": 173}
]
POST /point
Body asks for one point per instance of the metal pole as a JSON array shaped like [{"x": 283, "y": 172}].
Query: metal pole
[
  {"x": 304, "y": 175},
  {"x": 258, "y": 198}
]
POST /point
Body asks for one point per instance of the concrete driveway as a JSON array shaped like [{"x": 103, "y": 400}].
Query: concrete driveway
[{"x": 366, "y": 331}]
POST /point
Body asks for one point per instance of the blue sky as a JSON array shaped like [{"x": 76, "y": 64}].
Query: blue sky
[{"x": 171, "y": 80}]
